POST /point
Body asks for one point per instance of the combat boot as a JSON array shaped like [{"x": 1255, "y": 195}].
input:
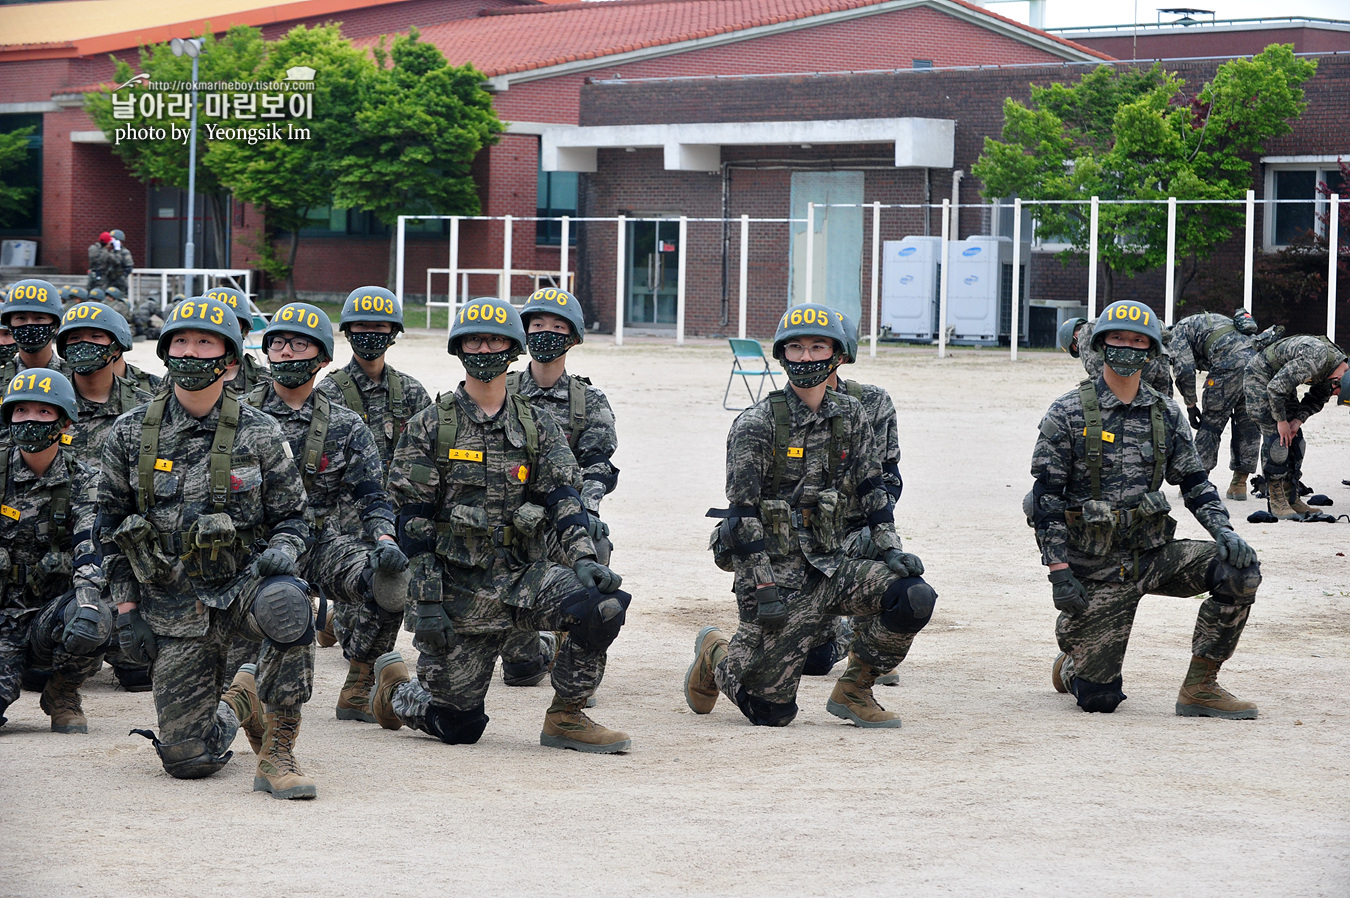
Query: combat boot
[
  {"x": 324, "y": 635},
  {"x": 354, "y": 700},
  {"x": 278, "y": 771},
  {"x": 242, "y": 697},
  {"x": 390, "y": 673},
  {"x": 1057, "y": 673},
  {"x": 700, "y": 685},
  {"x": 1237, "y": 490},
  {"x": 567, "y": 726},
  {"x": 61, "y": 700},
  {"x": 1202, "y": 696},
  {"x": 852, "y": 698},
  {"x": 1296, "y": 501},
  {"x": 1277, "y": 499}
]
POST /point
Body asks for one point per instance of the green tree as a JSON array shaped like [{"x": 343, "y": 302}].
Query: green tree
[
  {"x": 288, "y": 177},
  {"x": 1135, "y": 135},
  {"x": 14, "y": 198},
  {"x": 410, "y": 148}
]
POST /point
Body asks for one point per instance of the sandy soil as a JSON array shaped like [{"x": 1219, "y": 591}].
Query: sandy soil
[{"x": 995, "y": 785}]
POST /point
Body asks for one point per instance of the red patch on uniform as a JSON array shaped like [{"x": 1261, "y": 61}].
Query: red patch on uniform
[
  {"x": 235, "y": 483},
  {"x": 323, "y": 463}
]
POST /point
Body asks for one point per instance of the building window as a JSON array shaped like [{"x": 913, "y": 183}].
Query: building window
[
  {"x": 332, "y": 221},
  {"x": 26, "y": 220},
  {"x": 923, "y": 63},
  {"x": 557, "y": 196},
  {"x": 1287, "y": 223}
]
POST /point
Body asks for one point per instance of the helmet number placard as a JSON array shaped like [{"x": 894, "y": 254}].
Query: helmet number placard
[
  {"x": 32, "y": 383},
  {"x": 299, "y": 316},
  {"x": 483, "y": 313},
  {"x": 806, "y": 316},
  {"x": 1128, "y": 313},
  {"x": 550, "y": 294},
  {"x": 374, "y": 304},
  {"x": 81, "y": 312},
  {"x": 223, "y": 296},
  {"x": 205, "y": 311},
  {"x": 29, "y": 291}
]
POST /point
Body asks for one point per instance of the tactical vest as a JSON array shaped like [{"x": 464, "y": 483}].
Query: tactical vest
[
  {"x": 398, "y": 408},
  {"x": 576, "y": 403},
  {"x": 312, "y": 455},
  {"x": 1215, "y": 336},
  {"x": 1269, "y": 354},
  {"x": 780, "y": 520},
  {"x": 58, "y": 513}
]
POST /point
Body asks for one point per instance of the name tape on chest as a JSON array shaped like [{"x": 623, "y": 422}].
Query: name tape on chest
[
  {"x": 163, "y": 464},
  {"x": 1107, "y": 436},
  {"x": 795, "y": 451},
  {"x": 11, "y": 513},
  {"x": 465, "y": 455}
]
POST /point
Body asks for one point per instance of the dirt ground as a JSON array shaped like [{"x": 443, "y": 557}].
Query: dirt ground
[{"x": 996, "y": 785}]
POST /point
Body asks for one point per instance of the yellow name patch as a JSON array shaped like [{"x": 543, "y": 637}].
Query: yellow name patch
[
  {"x": 1107, "y": 436},
  {"x": 163, "y": 464},
  {"x": 12, "y": 513},
  {"x": 795, "y": 451},
  {"x": 66, "y": 439},
  {"x": 464, "y": 455}
]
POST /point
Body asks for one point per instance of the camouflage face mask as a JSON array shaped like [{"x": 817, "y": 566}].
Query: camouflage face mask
[
  {"x": 370, "y": 346},
  {"x": 195, "y": 374},
  {"x": 545, "y": 346},
  {"x": 34, "y": 436},
  {"x": 487, "y": 366},
  {"x": 810, "y": 374},
  {"x": 32, "y": 337},
  {"x": 1125, "y": 360},
  {"x": 86, "y": 358},
  {"x": 294, "y": 372}
]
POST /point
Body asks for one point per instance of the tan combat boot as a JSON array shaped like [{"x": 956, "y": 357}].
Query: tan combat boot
[
  {"x": 354, "y": 700},
  {"x": 61, "y": 700},
  {"x": 1296, "y": 501},
  {"x": 1237, "y": 490},
  {"x": 852, "y": 698},
  {"x": 1202, "y": 696},
  {"x": 390, "y": 673},
  {"x": 324, "y": 636},
  {"x": 567, "y": 726},
  {"x": 1277, "y": 498},
  {"x": 700, "y": 686},
  {"x": 242, "y": 697},
  {"x": 1057, "y": 673},
  {"x": 278, "y": 771}
]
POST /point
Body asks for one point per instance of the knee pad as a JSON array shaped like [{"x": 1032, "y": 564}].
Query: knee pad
[
  {"x": 282, "y": 612},
  {"x": 599, "y": 616},
  {"x": 189, "y": 759},
  {"x": 456, "y": 727},
  {"x": 765, "y": 713},
  {"x": 1233, "y": 586},
  {"x": 1297, "y": 447},
  {"x": 1100, "y": 698},
  {"x": 907, "y": 605},
  {"x": 821, "y": 659},
  {"x": 1277, "y": 460}
]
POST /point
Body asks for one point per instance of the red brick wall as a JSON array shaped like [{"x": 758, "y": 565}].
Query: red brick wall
[{"x": 1201, "y": 41}]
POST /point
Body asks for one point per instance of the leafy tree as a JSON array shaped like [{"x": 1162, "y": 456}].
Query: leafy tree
[
  {"x": 14, "y": 198},
  {"x": 410, "y": 148},
  {"x": 1135, "y": 135}
]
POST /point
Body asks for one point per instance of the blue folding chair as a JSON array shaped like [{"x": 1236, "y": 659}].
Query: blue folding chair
[{"x": 747, "y": 361}]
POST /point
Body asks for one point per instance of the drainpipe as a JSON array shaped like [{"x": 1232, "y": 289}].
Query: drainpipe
[
  {"x": 927, "y": 202},
  {"x": 956, "y": 204}
]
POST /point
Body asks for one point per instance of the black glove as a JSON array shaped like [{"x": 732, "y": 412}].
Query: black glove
[
  {"x": 434, "y": 632},
  {"x": 594, "y": 575},
  {"x": 135, "y": 638},
  {"x": 388, "y": 558},
  {"x": 773, "y": 611},
  {"x": 1070, "y": 596},
  {"x": 1193, "y": 415},
  {"x": 1234, "y": 549},
  {"x": 596, "y": 528},
  {"x": 275, "y": 563},
  {"x": 87, "y": 631},
  {"x": 903, "y": 563}
]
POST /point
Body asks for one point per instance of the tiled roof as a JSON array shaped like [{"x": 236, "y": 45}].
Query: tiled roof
[{"x": 501, "y": 42}]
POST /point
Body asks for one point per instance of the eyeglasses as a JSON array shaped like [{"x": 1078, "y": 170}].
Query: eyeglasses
[
  {"x": 493, "y": 342},
  {"x": 296, "y": 343},
  {"x": 795, "y": 351}
]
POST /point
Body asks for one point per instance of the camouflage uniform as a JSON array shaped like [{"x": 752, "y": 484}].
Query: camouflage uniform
[
  {"x": 112, "y": 265},
  {"x": 1120, "y": 562},
  {"x": 251, "y": 373},
  {"x": 802, "y": 557},
  {"x": 56, "y": 363},
  {"x": 1210, "y": 342},
  {"x": 384, "y": 426},
  {"x": 1157, "y": 373},
  {"x": 84, "y": 440},
  {"x": 194, "y": 619},
  {"x": 1271, "y": 382},
  {"x": 481, "y": 529},
  {"x": 40, "y": 568}
]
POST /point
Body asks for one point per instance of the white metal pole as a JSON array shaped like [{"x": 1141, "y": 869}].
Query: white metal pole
[
  {"x": 1170, "y": 286},
  {"x": 504, "y": 282},
  {"x": 876, "y": 267},
  {"x": 745, "y": 275},
  {"x": 562, "y": 255},
  {"x": 619, "y": 270},
  {"x": 810, "y": 251},
  {"x": 453, "y": 298},
  {"x": 946, "y": 275},
  {"x": 1016, "y": 306},
  {"x": 398, "y": 260},
  {"x": 190, "y": 250},
  {"x": 1092, "y": 262},
  {"x": 1250, "y": 251},
  {"x": 1333, "y": 256},
  {"x": 679, "y": 281}
]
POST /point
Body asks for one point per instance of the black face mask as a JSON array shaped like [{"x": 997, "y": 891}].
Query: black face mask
[
  {"x": 34, "y": 436},
  {"x": 545, "y": 346},
  {"x": 810, "y": 374},
  {"x": 32, "y": 337},
  {"x": 295, "y": 372},
  {"x": 196, "y": 374},
  {"x": 488, "y": 366},
  {"x": 1125, "y": 360},
  {"x": 7, "y": 353},
  {"x": 370, "y": 346},
  {"x": 86, "y": 358}
]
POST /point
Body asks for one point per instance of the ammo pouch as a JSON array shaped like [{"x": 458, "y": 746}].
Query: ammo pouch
[
  {"x": 1147, "y": 525},
  {"x": 720, "y": 544},
  {"x": 825, "y": 523},
  {"x": 1092, "y": 527},
  {"x": 530, "y": 539},
  {"x": 140, "y": 544},
  {"x": 466, "y": 539},
  {"x": 776, "y": 516},
  {"x": 211, "y": 550}
]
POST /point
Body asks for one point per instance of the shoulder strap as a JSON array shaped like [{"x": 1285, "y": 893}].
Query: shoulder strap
[
  {"x": 127, "y": 391},
  {"x": 4, "y": 472},
  {"x": 145, "y": 465},
  {"x": 58, "y": 510},
  {"x": 1159, "y": 444},
  {"x": 1215, "y": 336},
  {"x": 396, "y": 404},
  {"x": 222, "y": 450},
  {"x": 314, "y": 440},
  {"x": 782, "y": 426},
  {"x": 256, "y": 395},
  {"x": 350, "y": 394},
  {"x": 1092, "y": 418},
  {"x": 524, "y": 413},
  {"x": 838, "y": 440},
  {"x": 854, "y": 389},
  {"x": 576, "y": 392},
  {"x": 513, "y": 381},
  {"x": 447, "y": 431}
]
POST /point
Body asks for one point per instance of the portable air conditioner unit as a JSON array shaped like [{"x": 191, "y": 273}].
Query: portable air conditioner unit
[
  {"x": 18, "y": 254},
  {"x": 909, "y": 287}
]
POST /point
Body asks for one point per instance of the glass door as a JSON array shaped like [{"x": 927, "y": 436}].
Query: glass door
[{"x": 653, "y": 272}]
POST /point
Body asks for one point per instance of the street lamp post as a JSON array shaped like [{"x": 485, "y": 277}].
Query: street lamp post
[{"x": 193, "y": 48}]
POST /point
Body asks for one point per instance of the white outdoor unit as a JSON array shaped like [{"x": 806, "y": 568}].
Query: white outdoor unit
[
  {"x": 909, "y": 287},
  {"x": 18, "y": 253},
  {"x": 979, "y": 291}
]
